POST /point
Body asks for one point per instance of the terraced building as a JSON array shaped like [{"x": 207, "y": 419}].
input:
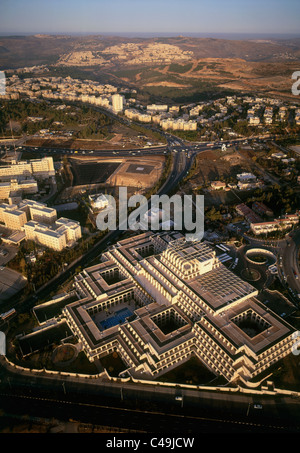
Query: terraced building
[{"x": 157, "y": 300}]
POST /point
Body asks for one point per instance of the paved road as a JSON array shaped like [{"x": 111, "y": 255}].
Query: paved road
[
  {"x": 289, "y": 263},
  {"x": 150, "y": 407},
  {"x": 183, "y": 156},
  {"x": 181, "y": 165},
  {"x": 278, "y": 413}
]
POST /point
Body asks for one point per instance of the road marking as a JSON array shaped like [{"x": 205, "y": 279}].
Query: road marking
[{"x": 238, "y": 422}]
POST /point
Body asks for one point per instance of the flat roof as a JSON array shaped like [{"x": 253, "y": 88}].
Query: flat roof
[
  {"x": 277, "y": 330},
  {"x": 220, "y": 287}
]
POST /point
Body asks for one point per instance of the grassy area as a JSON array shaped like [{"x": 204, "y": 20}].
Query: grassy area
[{"x": 179, "y": 68}]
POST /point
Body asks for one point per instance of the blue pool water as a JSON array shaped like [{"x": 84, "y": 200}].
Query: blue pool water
[{"x": 118, "y": 318}]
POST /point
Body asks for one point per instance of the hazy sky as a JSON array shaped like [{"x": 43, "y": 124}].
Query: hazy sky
[{"x": 178, "y": 16}]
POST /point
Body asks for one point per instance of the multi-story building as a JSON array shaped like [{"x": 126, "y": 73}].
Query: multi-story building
[
  {"x": 249, "y": 215},
  {"x": 134, "y": 114},
  {"x": 253, "y": 120},
  {"x": 285, "y": 222},
  {"x": 98, "y": 201},
  {"x": 178, "y": 125},
  {"x": 26, "y": 186},
  {"x": 262, "y": 209},
  {"x": 38, "y": 212},
  {"x": 71, "y": 229},
  {"x": 44, "y": 235},
  {"x": 57, "y": 237},
  {"x": 43, "y": 214},
  {"x": 117, "y": 102},
  {"x": 157, "y": 108},
  {"x": 40, "y": 168},
  {"x": 157, "y": 300},
  {"x": 40, "y": 224},
  {"x": 12, "y": 217}
]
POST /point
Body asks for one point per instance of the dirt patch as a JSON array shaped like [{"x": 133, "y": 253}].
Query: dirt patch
[
  {"x": 233, "y": 159},
  {"x": 133, "y": 172},
  {"x": 166, "y": 84},
  {"x": 214, "y": 165},
  {"x": 139, "y": 173}
]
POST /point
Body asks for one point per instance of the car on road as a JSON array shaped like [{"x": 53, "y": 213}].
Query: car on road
[{"x": 257, "y": 406}]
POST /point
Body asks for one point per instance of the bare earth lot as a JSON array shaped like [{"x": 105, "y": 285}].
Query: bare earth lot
[
  {"x": 131, "y": 172},
  {"x": 215, "y": 165},
  {"x": 120, "y": 136}
]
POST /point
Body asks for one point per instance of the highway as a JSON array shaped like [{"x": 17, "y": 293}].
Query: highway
[
  {"x": 145, "y": 407},
  {"x": 183, "y": 153},
  {"x": 289, "y": 263},
  {"x": 198, "y": 410},
  {"x": 181, "y": 165}
]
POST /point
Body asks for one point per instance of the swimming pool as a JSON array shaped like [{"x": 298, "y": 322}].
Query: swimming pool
[{"x": 118, "y": 318}]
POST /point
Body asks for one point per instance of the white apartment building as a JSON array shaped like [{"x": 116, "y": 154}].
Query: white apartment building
[
  {"x": 253, "y": 120},
  {"x": 38, "y": 212},
  {"x": 40, "y": 224},
  {"x": 43, "y": 214},
  {"x": 43, "y": 235},
  {"x": 71, "y": 229},
  {"x": 117, "y": 103},
  {"x": 63, "y": 233},
  {"x": 138, "y": 116},
  {"x": 178, "y": 124},
  {"x": 40, "y": 168},
  {"x": 13, "y": 186},
  {"x": 12, "y": 217},
  {"x": 157, "y": 108}
]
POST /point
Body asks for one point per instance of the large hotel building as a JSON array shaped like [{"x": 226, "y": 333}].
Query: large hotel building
[{"x": 157, "y": 299}]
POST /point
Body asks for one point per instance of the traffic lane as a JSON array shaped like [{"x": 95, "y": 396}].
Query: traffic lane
[
  {"x": 282, "y": 411},
  {"x": 112, "y": 236},
  {"x": 290, "y": 262}
]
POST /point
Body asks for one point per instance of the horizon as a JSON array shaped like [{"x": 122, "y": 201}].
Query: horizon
[
  {"x": 272, "y": 17},
  {"x": 211, "y": 35}
]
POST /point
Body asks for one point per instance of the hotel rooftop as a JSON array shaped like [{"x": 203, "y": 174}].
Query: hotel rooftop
[{"x": 157, "y": 300}]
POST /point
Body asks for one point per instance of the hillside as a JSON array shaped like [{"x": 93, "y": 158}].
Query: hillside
[
  {"x": 182, "y": 69},
  {"x": 18, "y": 51}
]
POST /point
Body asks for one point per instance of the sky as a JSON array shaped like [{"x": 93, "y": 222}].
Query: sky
[{"x": 150, "y": 16}]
